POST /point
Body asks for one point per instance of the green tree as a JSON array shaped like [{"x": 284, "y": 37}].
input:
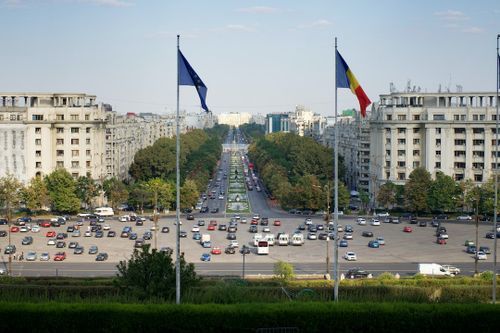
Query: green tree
[
  {"x": 62, "y": 191},
  {"x": 488, "y": 190},
  {"x": 10, "y": 194},
  {"x": 87, "y": 189},
  {"x": 139, "y": 195},
  {"x": 365, "y": 199},
  {"x": 160, "y": 193},
  {"x": 442, "y": 193},
  {"x": 386, "y": 196},
  {"x": 35, "y": 195},
  {"x": 189, "y": 194},
  {"x": 115, "y": 191},
  {"x": 283, "y": 271},
  {"x": 344, "y": 196},
  {"x": 151, "y": 274},
  {"x": 416, "y": 190},
  {"x": 466, "y": 188}
]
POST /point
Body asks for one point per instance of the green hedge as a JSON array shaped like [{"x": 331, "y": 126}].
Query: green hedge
[{"x": 305, "y": 317}]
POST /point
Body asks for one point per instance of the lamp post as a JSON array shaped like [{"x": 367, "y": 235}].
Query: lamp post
[
  {"x": 244, "y": 253},
  {"x": 327, "y": 218}
]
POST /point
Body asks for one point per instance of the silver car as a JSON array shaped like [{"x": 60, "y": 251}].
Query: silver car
[
  {"x": 45, "y": 256},
  {"x": 31, "y": 256}
]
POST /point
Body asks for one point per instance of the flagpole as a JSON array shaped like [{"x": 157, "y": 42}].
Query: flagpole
[
  {"x": 336, "y": 194},
  {"x": 177, "y": 186},
  {"x": 495, "y": 213}
]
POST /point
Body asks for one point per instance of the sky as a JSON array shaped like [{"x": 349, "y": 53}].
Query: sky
[{"x": 254, "y": 56}]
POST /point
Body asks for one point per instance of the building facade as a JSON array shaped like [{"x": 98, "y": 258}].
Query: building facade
[
  {"x": 234, "y": 118},
  {"x": 449, "y": 132},
  {"x": 42, "y": 132},
  {"x": 277, "y": 122}
]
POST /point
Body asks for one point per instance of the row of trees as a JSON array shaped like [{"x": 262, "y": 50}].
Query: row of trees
[
  {"x": 297, "y": 170},
  {"x": 423, "y": 194}
]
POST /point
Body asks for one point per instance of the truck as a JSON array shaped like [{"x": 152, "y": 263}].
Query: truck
[
  {"x": 297, "y": 239},
  {"x": 433, "y": 269},
  {"x": 204, "y": 238}
]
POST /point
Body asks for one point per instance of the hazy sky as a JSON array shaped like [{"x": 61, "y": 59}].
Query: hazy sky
[{"x": 254, "y": 56}]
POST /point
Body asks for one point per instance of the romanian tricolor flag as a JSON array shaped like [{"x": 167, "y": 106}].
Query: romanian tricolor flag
[{"x": 346, "y": 79}]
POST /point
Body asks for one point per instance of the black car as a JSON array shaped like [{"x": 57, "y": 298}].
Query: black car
[
  {"x": 70, "y": 228},
  {"x": 435, "y": 223},
  {"x": 132, "y": 236},
  {"x": 183, "y": 234},
  {"x": 320, "y": 227},
  {"x": 312, "y": 228},
  {"x": 422, "y": 223},
  {"x": 204, "y": 209},
  {"x": 413, "y": 220},
  {"x": 485, "y": 249},
  {"x": 99, "y": 234},
  {"x": 201, "y": 223},
  {"x": 323, "y": 236},
  {"x": 442, "y": 217},
  {"x": 229, "y": 250},
  {"x": 165, "y": 230},
  {"x": 367, "y": 234},
  {"x": 3, "y": 222},
  {"x": 9, "y": 249},
  {"x": 102, "y": 257},
  {"x": 264, "y": 221},
  {"x": 231, "y": 236},
  {"x": 348, "y": 228},
  {"x": 440, "y": 230},
  {"x": 139, "y": 243},
  {"x": 139, "y": 222},
  {"x": 214, "y": 210},
  {"x": 301, "y": 227},
  {"x": 253, "y": 229},
  {"x": 357, "y": 273},
  {"x": 147, "y": 235},
  {"x": 190, "y": 217},
  {"x": 3, "y": 233},
  {"x": 61, "y": 244},
  {"x": 28, "y": 240},
  {"x": 111, "y": 233},
  {"x": 55, "y": 224},
  {"x": 245, "y": 250}
]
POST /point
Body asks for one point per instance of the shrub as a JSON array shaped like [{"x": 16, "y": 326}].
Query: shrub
[{"x": 283, "y": 271}]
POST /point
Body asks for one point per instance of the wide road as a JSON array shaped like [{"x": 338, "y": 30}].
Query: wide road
[{"x": 222, "y": 269}]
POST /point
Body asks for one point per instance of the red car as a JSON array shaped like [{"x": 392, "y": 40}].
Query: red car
[
  {"x": 254, "y": 222},
  {"x": 60, "y": 256},
  {"x": 50, "y": 234},
  {"x": 213, "y": 222},
  {"x": 441, "y": 241},
  {"x": 407, "y": 229},
  {"x": 211, "y": 227},
  {"x": 216, "y": 250},
  {"x": 277, "y": 223},
  {"x": 45, "y": 224},
  {"x": 14, "y": 229}
]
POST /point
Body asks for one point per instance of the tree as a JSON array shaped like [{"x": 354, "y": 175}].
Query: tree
[
  {"x": 87, "y": 189},
  {"x": 464, "y": 195},
  {"x": 151, "y": 274},
  {"x": 62, "y": 191},
  {"x": 161, "y": 193},
  {"x": 488, "y": 190},
  {"x": 35, "y": 195},
  {"x": 442, "y": 193},
  {"x": 189, "y": 194},
  {"x": 283, "y": 271},
  {"x": 416, "y": 190},
  {"x": 344, "y": 196},
  {"x": 387, "y": 195},
  {"x": 115, "y": 191},
  {"x": 365, "y": 199},
  {"x": 10, "y": 193},
  {"x": 139, "y": 195}
]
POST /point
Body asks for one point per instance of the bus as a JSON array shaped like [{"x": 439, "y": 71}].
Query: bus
[
  {"x": 104, "y": 211},
  {"x": 263, "y": 247}
]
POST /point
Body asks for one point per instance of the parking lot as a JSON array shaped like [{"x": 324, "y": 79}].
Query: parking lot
[{"x": 418, "y": 246}]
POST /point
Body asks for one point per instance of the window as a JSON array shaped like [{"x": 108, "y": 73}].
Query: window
[
  {"x": 401, "y": 141},
  {"x": 478, "y": 153},
  {"x": 438, "y": 117},
  {"x": 401, "y": 176},
  {"x": 38, "y": 153},
  {"x": 38, "y": 130},
  {"x": 38, "y": 142},
  {"x": 459, "y": 142},
  {"x": 493, "y": 165},
  {"x": 87, "y": 117},
  {"x": 438, "y": 165},
  {"x": 59, "y": 153},
  {"x": 87, "y": 152},
  {"x": 493, "y": 142},
  {"x": 459, "y": 130},
  {"x": 459, "y": 165},
  {"x": 416, "y": 117},
  {"x": 401, "y": 117},
  {"x": 75, "y": 175},
  {"x": 88, "y": 164},
  {"x": 387, "y": 130},
  {"x": 75, "y": 130},
  {"x": 75, "y": 141},
  {"x": 478, "y": 142},
  {"x": 438, "y": 152},
  {"x": 460, "y": 153},
  {"x": 416, "y": 164},
  {"x": 459, "y": 176},
  {"x": 478, "y": 165},
  {"x": 87, "y": 141},
  {"x": 416, "y": 141},
  {"x": 456, "y": 117},
  {"x": 416, "y": 152},
  {"x": 37, "y": 117},
  {"x": 476, "y": 130},
  {"x": 387, "y": 141},
  {"x": 438, "y": 142},
  {"x": 60, "y": 164},
  {"x": 388, "y": 175},
  {"x": 74, "y": 117},
  {"x": 59, "y": 130},
  {"x": 75, "y": 164},
  {"x": 438, "y": 130},
  {"x": 478, "y": 178},
  {"x": 87, "y": 130},
  {"x": 401, "y": 164},
  {"x": 60, "y": 117},
  {"x": 401, "y": 153},
  {"x": 38, "y": 165},
  {"x": 75, "y": 153},
  {"x": 416, "y": 130},
  {"x": 401, "y": 130},
  {"x": 59, "y": 141},
  {"x": 387, "y": 164},
  {"x": 389, "y": 117},
  {"x": 388, "y": 152}
]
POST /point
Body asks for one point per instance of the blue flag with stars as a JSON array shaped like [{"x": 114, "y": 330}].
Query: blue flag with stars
[{"x": 188, "y": 77}]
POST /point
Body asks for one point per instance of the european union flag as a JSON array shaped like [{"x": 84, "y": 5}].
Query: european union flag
[{"x": 188, "y": 77}]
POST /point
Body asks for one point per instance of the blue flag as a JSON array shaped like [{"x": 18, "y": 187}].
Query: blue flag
[{"x": 188, "y": 77}]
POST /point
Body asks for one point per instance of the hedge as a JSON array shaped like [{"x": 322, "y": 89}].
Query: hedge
[{"x": 303, "y": 317}]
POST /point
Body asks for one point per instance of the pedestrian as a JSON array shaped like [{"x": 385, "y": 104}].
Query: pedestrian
[{"x": 14, "y": 257}]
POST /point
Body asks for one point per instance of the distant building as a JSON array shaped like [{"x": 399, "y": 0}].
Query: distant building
[
  {"x": 235, "y": 118},
  {"x": 277, "y": 122}
]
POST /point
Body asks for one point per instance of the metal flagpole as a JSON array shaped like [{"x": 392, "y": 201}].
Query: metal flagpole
[
  {"x": 178, "y": 197},
  {"x": 495, "y": 213},
  {"x": 336, "y": 193}
]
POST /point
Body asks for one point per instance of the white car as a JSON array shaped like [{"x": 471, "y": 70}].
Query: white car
[
  {"x": 45, "y": 256},
  {"x": 309, "y": 221},
  {"x": 361, "y": 221},
  {"x": 23, "y": 229},
  {"x": 256, "y": 217},
  {"x": 195, "y": 229},
  {"x": 380, "y": 240},
  {"x": 51, "y": 241},
  {"x": 340, "y": 228},
  {"x": 312, "y": 236},
  {"x": 124, "y": 218},
  {"x": 464, "y": 218},
  {"x": 234, "y": 243},
  {"x": 452, "y": 269},
  {"x": 266, "y": 229},
  {"x": 481, "y": 255},
  {"x": 350, "y": 256},
  {"x": 383, "y": 214},
  {"x": 31, "y": 256},
  {"x": 35, "y": 228},
  {"x": 106, "y": 227},
  {"x": 443, "y": 235},
  {"x": 348, "y": 236},
  {"x": 375, "y": 222},
  {"x": 87, "y": 233}
]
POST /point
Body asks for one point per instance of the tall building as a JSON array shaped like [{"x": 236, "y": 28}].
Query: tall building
[
  {"x": 449, "y": 132},
  {"x": 277, "y": 122},
  {"x": 235, "y": 118},
  {"x": 41, "y": 132}
]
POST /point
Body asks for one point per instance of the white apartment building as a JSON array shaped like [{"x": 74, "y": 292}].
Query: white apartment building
[
  {"x": 41, "y": 132},
  {"x": 449, "y": 132},
  {"x": 187, "y": 122},
  {"x": 235, "y": 118}
]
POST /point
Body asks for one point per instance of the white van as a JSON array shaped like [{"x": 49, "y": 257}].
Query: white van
[
  {"x": 256, "y": 239},
  {"x": 104, "y": 211},
  {"x": 283, "y": 239},
  {"x": 270, "y": 239},
  {"x": 297, "y": 239}
]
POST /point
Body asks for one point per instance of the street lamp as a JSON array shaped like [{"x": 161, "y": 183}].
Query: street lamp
[
  {"x": 244, "y": 251},
  {"x": 327, "y": 218}
]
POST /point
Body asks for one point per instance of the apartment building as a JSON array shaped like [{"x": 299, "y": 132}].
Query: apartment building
[
  {"x": 41, "y": 132},
  {"x": 449, "y": 132}
]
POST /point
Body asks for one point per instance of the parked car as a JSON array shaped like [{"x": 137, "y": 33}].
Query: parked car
[
  {"x": 103, "y": 256},
  {"x": 407, "y": 229},
  {"x": 230, "y": 250},
  {"x": 206, "y": 257},
  {"x": 380, "y": 240},
  {"x": 28, "y": 240},
  {"x": 357, "y": 273},
  {"x": 343, "y": 243},
  {"x": 373, "y": 244},
  {"x": 480, "y": 255},
  {"x": 9, "y": 249},
  {"x": 350, "y": 256},
  {"x": 45, "y": 256},
  {"x": 60, "y": 256},
  {"x": 464, "y": 218},
  {"x": 367, "y": 234},
  {"x": 111, "y": 233},
  {"x": 93, "y": 249},
  {"x": 485, "y": 249},
  {"x": 78, "y": 250}
]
